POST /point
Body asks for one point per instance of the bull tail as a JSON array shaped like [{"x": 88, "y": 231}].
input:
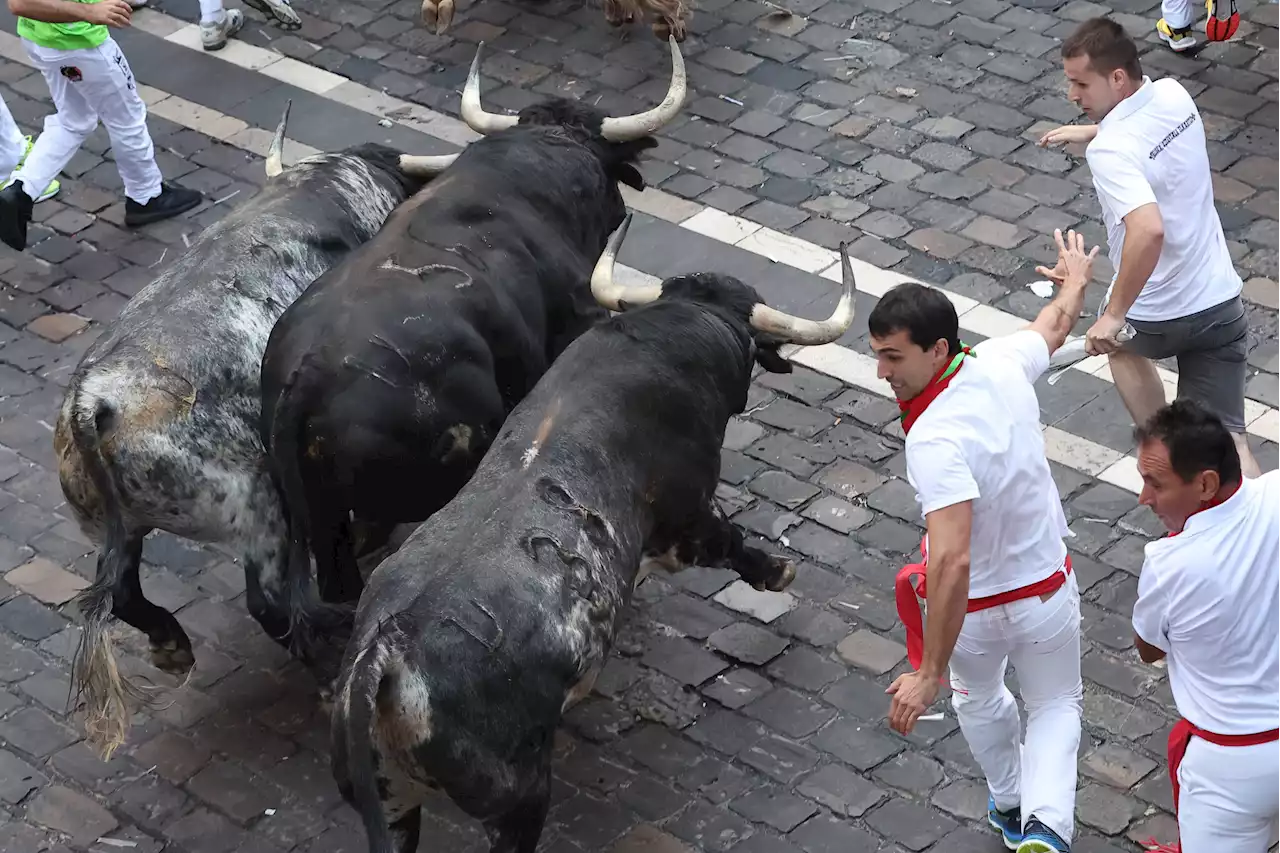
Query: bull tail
[
  {"x": 95, "y": 675},
  {"x": 275, "y": 154},
  {"x": 308, "y": 616},
  {"x": 352, "y": 737}
]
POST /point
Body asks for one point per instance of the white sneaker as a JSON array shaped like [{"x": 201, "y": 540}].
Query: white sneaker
[
  {"x": 214, "y": 35},
  {"x": 277, "y": 12}
]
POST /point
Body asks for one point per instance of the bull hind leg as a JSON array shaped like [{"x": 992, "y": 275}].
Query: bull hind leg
[
  {"x": 518, "y": 830},
  {"x": 96, "y": 679}
]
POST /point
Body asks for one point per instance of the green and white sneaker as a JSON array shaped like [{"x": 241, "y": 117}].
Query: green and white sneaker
[{"x": 49, "y": 191}]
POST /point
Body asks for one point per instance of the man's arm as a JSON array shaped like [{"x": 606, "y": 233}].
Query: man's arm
[
  {"x": 1151, "y": 614},
  {"x": 1123, "y": 190},
  {"x": 948, "y": 584},
  {"x": 1146, "y": 651},
  {"x": 1055, "y": 320},
  {"x": 112, "y": 13},
  {"x": 49, "y": 11}
]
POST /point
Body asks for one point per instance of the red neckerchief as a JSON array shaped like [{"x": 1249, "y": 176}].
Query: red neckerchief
[
  {"x": 1217, "y": 501},
  {"x": 912, "y": 409}
]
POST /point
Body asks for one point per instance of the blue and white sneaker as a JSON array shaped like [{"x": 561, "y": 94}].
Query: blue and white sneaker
[
  {"x": 1038, "y": 838},
  {"x": 1007, "y": 823}
]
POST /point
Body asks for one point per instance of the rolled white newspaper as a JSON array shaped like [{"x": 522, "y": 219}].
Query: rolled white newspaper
[{"x": 1073, "y": 351}]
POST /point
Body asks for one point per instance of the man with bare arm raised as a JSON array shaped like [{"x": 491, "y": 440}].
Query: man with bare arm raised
[{"x": 1000, "y": 587}]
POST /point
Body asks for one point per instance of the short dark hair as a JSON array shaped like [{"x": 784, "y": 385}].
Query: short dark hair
[
  {"x": 1107, "y": 46},
  {"x": 924, "y": 312},
  {"x": 1196, "y": 439}
]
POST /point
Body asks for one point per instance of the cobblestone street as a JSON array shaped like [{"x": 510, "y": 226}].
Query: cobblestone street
[{"x": 727, "y": 720}]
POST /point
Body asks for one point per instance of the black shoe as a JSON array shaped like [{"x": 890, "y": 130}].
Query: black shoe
[
  {"x": 15, "y": 215},
  {"x": 171, "y": 202}
]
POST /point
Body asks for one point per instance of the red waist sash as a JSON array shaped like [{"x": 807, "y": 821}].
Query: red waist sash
[
  {"x": 905, "y": 592},
  {"x": 1181, "y": 736}
]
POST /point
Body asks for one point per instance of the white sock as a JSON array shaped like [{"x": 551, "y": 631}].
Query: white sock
[{"x": 210, "y": 11}]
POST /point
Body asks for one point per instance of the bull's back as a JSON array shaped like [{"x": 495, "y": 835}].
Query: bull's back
[{"x": 170, "y": 390}]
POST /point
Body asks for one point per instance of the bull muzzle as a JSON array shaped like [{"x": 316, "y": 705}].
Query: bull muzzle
[
  {"x": 788, "y": 327},
  {"x": 620, "y": 129}
]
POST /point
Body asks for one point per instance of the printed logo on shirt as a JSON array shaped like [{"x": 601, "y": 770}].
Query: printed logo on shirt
[
  {"x": 71, "y": 73},
  {"x": 1173, "y": 134}
]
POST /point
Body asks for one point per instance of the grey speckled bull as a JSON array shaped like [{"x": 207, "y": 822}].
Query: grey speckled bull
[{"x": 159, "y": 426}]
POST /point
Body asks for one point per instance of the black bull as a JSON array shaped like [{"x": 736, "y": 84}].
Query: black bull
[
  {"x": 158, "y": 428},
  {"x": 499, "y": 611},
  {"x": 384, "y": 384}
]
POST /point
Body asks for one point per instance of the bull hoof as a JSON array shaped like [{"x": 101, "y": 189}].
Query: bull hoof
[
  {"x": 786, "y": 573},
  {"x": 172, "y": 657},
  {"x": 437, "y": 15}
]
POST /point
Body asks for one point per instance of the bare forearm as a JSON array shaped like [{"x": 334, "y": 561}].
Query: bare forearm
[
  {"x": 1056, "y": 319},
  {"x": 49, "y": 11},
  {"x": 948, "y": 602},
  {"x": 1137, "y": 262}
]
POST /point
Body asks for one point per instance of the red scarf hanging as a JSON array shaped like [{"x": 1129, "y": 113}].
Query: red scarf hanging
[{"x": 912, "y": 409}]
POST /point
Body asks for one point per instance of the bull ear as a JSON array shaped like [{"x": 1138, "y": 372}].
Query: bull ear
[{"x": 768, "y": 357}]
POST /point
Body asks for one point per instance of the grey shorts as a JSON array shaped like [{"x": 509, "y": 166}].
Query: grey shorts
[{"x": 1212, "y": 349}]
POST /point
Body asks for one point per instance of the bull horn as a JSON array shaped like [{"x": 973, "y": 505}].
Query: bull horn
[
  {"x": 275, "y": 154},
  {"x": 627, "y": 128},
  {"x": 603, "y": 288},
  {"x": 473, "y": 114},
  {"x": 425, "y": 165},
  {"x": 798, "y": 330}
]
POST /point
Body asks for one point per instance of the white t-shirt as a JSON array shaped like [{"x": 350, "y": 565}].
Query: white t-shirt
[
  {"x": 1210, "y": 599},
  {"x": 980, "y": 440},
  {"x": 1151, "y": 148}
]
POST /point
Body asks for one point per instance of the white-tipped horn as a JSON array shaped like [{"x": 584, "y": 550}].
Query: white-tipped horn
[
  {"x": 610, "y": 294},
  {"x": 275, "y": 154},
  {"x": 473, "y": 114},
  {"x": 627, "y": 128},
  {"x": 798, "y": 330},
  {"x": 425, "y": 165}
]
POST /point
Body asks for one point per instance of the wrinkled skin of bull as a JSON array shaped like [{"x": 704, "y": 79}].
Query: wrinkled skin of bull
[
  {"x": 384, "y": 384},
  {"x": 158, "y": 429},
  {"x": 499, "y": 611}
]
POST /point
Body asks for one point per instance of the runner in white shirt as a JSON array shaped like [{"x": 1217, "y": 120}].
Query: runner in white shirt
[
  {"x": 994, "y": 549},
  {"x": 1209, "y": 599},
  {"x": 1174, "y": 282}
]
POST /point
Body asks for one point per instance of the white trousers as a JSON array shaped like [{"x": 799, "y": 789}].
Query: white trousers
[
  {"x": 1042, "y": 640},
  {"x": 1229, "y": 796},
  {"x": 12, "y": 142},
  {"x": 1177, "y": 13},
  {"x": 88, "y": 86}
]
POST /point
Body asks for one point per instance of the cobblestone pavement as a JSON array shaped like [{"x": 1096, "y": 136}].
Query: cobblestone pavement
[
  {"x": 727, "y": 720},
  {"x": 904, "y": 125}
]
